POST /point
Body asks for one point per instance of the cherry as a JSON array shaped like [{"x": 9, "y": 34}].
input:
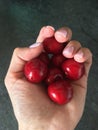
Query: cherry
[
  {"x": 44, "y": 57},
  {"x": 60, "y": 92},
  {"x": 54, "y": 74},
  {"x": 73, "y": 69},
  {"x": 52, "y": 46},
  {"x": 51, "y": 67},
  {"x": 58, "y": 59},
  {"x": 35, "y": 70}
]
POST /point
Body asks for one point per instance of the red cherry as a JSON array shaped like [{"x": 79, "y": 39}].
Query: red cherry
[
  {"x": 44, "y": 57},
  {"x": 35, "y": 70},
  {"x": 52, "y": 46},
  {"x": 58, "y": 59},
  {"x": 73, "y": 69},
  {"x": 60, "y": 92},
  {"x": 54, "y": 74}
]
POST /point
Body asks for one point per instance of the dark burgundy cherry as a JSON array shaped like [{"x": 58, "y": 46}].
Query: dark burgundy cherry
[
  {"x": 44, "y": 57},
  {"x": 59, "y": 89},
  {"x": 73, "y": 69},
  {"x": 60, "y": 92},
  {"x": 35, "y": 70},
  {"x": 58, "y": 59},
  {"x": 54, "y": 74},
  {"x": 52, "y": 46}
]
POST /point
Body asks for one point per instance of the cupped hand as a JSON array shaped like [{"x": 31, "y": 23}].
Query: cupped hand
[{"x": 32, "y": 107}]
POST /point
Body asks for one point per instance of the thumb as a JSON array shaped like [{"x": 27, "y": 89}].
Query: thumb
[{"x": 22, "y": 55}]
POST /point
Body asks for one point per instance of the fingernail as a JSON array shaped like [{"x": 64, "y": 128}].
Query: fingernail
[
  {"x": 62, "y": 34},
  {"x": 50, "y": 27},
  {"x": 68, "y": 50},
  {"x": 79, "y": 55},
  {"x": 36, "y": 44}
]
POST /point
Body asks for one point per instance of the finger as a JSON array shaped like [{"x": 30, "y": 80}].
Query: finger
[
  {"x": 45, "y": 32},
  {"x": 63, "y": 34},
  {"x": 71, "y": 49},
  {"x": 79, "y": 92},
  {"x": 84, "y": 55},
  {"x": 80, "y": 86},
  {"x": 21, "y": 56}
]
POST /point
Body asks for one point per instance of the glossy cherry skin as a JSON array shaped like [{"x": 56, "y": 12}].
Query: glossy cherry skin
[
  {"x": 72, "y": 69},
  {"x": 58, "y": 59},
  {"x": 54, "y": 74},
  {"x": 60, "y": 92},
  {"x": 35, "y": 70},
  {"x": 52, "y": 46},
  {"x": 44, "y": 57}
]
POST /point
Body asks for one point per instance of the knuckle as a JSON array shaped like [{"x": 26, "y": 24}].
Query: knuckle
[
  {"x": 67, "y": 29},
  {"x": 89, "y": 52},
  {"x": 16, "y": 50},
  {"x": 75, "y": 42}
]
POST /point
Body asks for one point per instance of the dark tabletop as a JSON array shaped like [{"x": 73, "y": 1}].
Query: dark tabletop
[{"x": 20, "y": 22}]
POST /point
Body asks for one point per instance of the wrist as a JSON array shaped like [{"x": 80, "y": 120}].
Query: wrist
[
  {"x": 45, "y": 125},
  {"x": 31, "y": 127}
]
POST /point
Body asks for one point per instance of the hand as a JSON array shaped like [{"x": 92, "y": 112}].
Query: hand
[{"x": 32, "y": 107}]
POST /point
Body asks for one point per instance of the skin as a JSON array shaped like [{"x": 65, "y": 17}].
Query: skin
[{"x": 32, "y": 107}]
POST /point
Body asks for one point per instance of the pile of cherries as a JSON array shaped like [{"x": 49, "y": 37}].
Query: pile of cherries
[{"x": 55, "y": 71}]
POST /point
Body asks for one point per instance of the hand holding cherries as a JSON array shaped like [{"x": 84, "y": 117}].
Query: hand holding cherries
[{"x": 56, "y": 71}]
